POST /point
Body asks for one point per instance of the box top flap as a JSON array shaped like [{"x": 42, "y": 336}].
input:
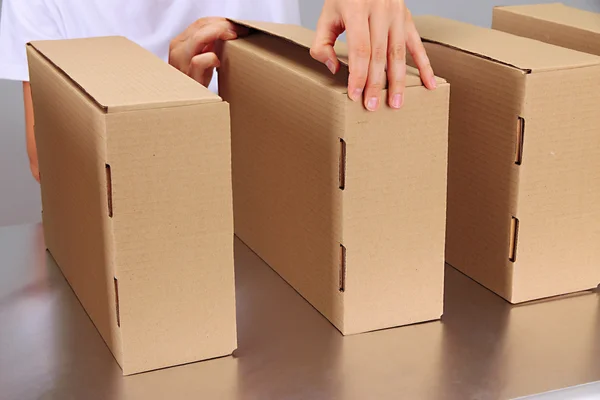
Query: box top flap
[
  {"x": 304, "y": 37},
  {"x": 518, "y": 52},
  {"x": 120, "y": 75},
  {"x": 559, "y": 13}
]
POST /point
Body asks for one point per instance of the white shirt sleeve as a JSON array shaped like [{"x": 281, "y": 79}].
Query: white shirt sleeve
[{"x": 21, "y": 22}]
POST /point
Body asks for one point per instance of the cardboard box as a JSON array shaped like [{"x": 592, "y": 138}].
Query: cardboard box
[
  {"x": 348, "y": 206},
  {"x": 136, "y": 194},
  {"x": 524, "y": 160},
  {"x": 552, "y": 23}
]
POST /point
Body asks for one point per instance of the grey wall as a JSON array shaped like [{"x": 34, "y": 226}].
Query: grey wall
[{"x": 19, "y": 193}]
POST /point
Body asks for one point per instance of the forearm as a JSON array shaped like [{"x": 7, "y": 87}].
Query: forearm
[{"x": 29, "y": 131}]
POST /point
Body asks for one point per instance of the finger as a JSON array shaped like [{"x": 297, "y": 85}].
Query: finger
[
  {"x": 202, "y": 66},
  {"x": 202, "y": 22},
  {"x": 379, "y": 30},
  {"x": 183, "y": 53},
  {"x": 396, "y": 58},
  {"x": 206, "y": 21},
  {"x": 419, "y": 55},
  {"x": 359, "y": 52},
  {"x": 183, "y": 36},
  {"x": 328, "y": 30},
  {"x": 210, "y": 33}
]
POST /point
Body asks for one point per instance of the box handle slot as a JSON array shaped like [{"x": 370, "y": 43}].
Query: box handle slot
[
  {"x": 520, "y": 138},
  {"x": 109, "y": 190},
  {"x": 342, "y": 164},
  {"x": 514, "y": 237},
  {"x": 342, "y": 271},
  {"x": 117, "y": 302}
]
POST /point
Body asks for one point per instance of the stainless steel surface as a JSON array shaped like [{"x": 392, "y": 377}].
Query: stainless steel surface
[
  {"x": 20, "y": 200},
  {"x": 483, "y": 349},
  {"x": 590, "y": 391}
]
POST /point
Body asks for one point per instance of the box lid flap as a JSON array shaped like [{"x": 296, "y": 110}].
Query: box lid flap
[
  {"x": 518, "y": 52},
  {"x": 304, "y": 37},
  {"x": 120, "y": 75},
  {"x": 559, "y": 13}
]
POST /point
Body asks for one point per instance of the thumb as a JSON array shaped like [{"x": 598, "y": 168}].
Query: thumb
[{"x": 328, "y": 30}]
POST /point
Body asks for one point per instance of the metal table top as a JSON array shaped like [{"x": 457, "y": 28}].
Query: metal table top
[{"x": 483, "y": 348}]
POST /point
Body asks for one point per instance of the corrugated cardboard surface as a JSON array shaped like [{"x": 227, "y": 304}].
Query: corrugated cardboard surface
[
  {"x": 304, "y": 37},
  {"x": 553, "y": 191},
  {"x": 510, "y": 50},
  {"x": 288, "y": 116},
  {"x": 132, "y": 78},
  {"x": 559, "y": 196},
  {"x": 482, "y": 176},
  {"x": 552, "y": 23},
  {"x": 148, "y": 248},
  {"x": 76, "y": 225},
  {"x": 394, "y": 211}
]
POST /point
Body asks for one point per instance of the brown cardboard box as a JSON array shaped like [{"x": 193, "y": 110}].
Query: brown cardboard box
[
  {"x": 524, "y": 160},
  {"x": 348, "y": 206},
  {"x": 552, "y": 23},
  {"x": 136, "y": 193}
]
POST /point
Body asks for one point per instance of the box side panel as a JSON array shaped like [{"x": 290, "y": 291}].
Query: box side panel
[
  {"x": 571, "y": 37},
  {"x": 173, "y": 227},
  {"x": 559, "y": 199},
  {"x": 395, "y": 211},
  {"x": 485, "y": 105},
  {"x": 71, "y": 142},
  {"x": 286, "y": 129}
]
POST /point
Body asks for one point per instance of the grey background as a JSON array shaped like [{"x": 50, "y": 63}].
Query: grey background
[{"x": 19, "y": 193}]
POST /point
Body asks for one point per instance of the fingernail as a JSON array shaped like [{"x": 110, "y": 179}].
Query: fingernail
[
  {"x": 357, "y": 94},
  {"x": 372, "y": 104},
  {"x": 397, "y": 101},
  {"x": 331, "y": 66},
  {"x": 433, "y": 83}
]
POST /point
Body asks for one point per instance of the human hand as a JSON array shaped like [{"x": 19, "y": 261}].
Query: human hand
[
  {"x": 29, "y": 132},
  {"x": 193, "y": 51},
  {"x": 378, "y": 33},
  {"x": 33, "y": 162}
]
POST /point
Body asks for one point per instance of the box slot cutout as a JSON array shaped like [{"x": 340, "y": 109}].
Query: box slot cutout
[
  {"x": 117, "y": 302},
  {"x": 342, "y": 164},
  {"x": 520, "y": 137},
  {"x": 109, "y": 190},
  {"x": 342, "y": 271},
  {"x": 514, "y": 237}
]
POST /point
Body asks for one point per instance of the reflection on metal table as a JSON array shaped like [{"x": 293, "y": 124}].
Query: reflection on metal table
[{"x": 483, "y": 348}]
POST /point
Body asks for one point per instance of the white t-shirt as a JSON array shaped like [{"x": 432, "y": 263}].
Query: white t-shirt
[{"x": 150, "y": 23}]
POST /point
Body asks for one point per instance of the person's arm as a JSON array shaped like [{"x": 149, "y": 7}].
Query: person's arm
[
  {"x": 379, "y": 33},
  {"x": 22, "y": 22},
  {"x": 29, "y": 136}
]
